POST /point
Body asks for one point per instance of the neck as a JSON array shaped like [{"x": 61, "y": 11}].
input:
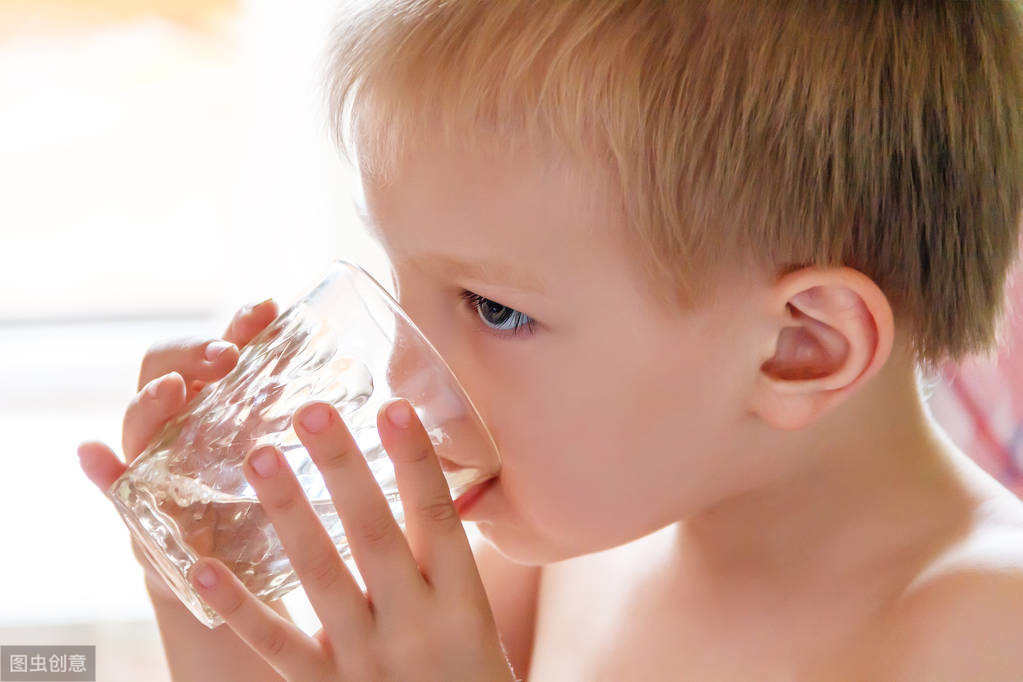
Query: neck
[{"x": 869, "y": 492}]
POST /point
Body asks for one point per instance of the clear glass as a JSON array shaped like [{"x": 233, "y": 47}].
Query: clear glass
[{"x": 346, "y": 341}]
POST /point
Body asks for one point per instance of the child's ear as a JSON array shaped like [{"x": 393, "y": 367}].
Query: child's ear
[{"x": 831, "y": 330}]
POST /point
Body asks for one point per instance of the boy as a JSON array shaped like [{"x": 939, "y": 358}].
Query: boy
[{"x": 690, "y": 260}]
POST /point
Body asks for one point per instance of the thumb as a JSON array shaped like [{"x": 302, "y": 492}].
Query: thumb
[{"x": 100, "y": 464}]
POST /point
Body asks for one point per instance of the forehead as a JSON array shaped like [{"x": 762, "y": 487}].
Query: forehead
[{"x": 515, "y": 213}]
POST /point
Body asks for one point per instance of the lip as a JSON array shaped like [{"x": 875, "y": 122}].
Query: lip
[{"x": 470, "y": 496}]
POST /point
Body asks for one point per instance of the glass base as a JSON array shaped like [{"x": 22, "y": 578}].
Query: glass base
[{"x": 173, "y": 570}]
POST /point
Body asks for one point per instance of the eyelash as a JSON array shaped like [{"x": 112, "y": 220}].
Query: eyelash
[{"x": 476, "y": 302}]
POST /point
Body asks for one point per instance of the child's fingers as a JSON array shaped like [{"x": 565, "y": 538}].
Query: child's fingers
[
  {"x": 187, "y": 356},
  {"x": 160, "y": 396},
  {"x": 293, "y": 653},
  {"x": 432, "y": 523},
  {"x": 333, "y": 592},
  {"x": 378, "y": 546},
  {"x": 100, "y": 464},
  {"x": 149, "y": 410},
  {"x": 249, "y": 321},
  {"x": 102, "y": 467}
]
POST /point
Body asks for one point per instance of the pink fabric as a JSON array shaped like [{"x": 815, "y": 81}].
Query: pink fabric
[{"x": 980, "y": 403}]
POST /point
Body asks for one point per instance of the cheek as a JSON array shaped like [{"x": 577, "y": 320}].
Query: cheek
[{"x": 605, "y": 454}]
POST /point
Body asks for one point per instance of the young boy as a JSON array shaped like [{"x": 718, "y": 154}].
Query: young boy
[{"x": 690, "y": 260}]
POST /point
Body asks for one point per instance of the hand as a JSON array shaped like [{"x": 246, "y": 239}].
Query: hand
[
  {"x": 172, "y": 372},
  {"x": 425, "y": 615}
]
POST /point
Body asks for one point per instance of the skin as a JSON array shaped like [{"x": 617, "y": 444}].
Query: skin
[
  {"x": 765, "y": 441},
  {"x": 425, "y": 614},
  {"x": 171, "y": 373},
  {"x": 589, "y": 410},
  {"x": 756, "y": 450}
]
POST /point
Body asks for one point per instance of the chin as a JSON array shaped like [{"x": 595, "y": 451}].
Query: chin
[{"x": 522, "y": 547}]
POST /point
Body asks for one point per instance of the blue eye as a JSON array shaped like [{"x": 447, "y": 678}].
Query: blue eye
[{"x": 496, "y": 316}]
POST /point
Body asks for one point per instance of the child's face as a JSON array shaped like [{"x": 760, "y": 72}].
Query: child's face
[{"x": 613, "y": 418}]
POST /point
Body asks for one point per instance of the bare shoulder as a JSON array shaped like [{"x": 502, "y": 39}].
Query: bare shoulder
[{"x": 962, "y": 617}]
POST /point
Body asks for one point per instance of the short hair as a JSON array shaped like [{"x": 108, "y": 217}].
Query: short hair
[{"x": 884, "y": 135}]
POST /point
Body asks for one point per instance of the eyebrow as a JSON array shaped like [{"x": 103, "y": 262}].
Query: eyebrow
[
  {"x": 496, "y": 273},
  {"x": 491, "y": 272}
]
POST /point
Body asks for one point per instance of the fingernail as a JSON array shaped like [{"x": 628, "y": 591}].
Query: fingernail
[
  {"x": 252, "y": 306},
  {"x": 206, "y": 577},
  {"x": 399, "y": 413},
  {"x": 315, "y": 418},
  {"x": 264, "y": 462},
  {"x": 216, "y": 349},
  {"x": 153, "y": 390}
]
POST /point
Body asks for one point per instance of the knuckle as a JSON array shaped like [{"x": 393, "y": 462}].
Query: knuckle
[
  {"x": 438, "y": 511},
  {"x": 273, "y": 641},
  {"x": 334, "y": 457},
  {"x": 378, "y": 532},
  {"x": 233, "y": 603},
  {"x": 283, "y": 503},
  {"x": 322, "y": 569},
  {"x": 422, "y": 452}
]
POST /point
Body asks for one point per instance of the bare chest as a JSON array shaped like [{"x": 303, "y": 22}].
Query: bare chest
[{"x": 600, "y": 619}]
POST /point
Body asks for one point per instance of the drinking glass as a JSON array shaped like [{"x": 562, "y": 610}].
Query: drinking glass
[{"x": 346, "y": 341}]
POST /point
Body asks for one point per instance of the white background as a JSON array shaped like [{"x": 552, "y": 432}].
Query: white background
[{"x": 154, "y": 177}]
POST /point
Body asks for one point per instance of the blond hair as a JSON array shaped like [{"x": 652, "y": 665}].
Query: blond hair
[{"x": 884, "y": 135}]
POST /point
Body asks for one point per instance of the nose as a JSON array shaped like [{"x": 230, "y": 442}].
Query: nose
[{"x": 463, "y": 445}]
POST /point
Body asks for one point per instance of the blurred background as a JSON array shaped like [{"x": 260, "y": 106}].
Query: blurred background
[{"x": 162, "y": 163}]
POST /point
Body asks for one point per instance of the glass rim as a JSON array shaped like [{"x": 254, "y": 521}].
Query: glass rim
[{"x": 396, "y": 309}]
